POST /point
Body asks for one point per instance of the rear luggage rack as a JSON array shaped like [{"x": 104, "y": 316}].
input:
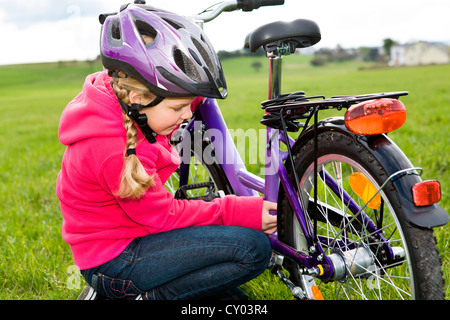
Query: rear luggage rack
[{"x": 296, "y": 105}]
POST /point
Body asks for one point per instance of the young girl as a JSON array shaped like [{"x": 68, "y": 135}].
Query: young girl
[{"x": 128, "y": 235}]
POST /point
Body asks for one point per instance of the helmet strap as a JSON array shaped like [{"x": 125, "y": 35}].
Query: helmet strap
[
  {"x": 155, "y": 101},
  {"x": 140, "y": 119}
]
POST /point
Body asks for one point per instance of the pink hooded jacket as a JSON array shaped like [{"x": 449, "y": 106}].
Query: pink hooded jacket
[{"x": 99, "y": 225}]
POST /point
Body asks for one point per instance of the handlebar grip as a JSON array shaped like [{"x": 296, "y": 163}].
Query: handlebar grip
[
  {"x": 102, "y": 17},
  {"x": 249, "y": 5}
]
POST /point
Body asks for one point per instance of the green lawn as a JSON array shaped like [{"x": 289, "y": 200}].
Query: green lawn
[{"x": 35, "y": 263}]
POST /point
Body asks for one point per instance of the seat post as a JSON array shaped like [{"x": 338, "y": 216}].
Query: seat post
[
  {"x": 272, "y": 145},
  {"x": 275, "y": 64}
]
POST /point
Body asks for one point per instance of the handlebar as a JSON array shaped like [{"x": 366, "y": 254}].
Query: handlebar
[
  {"x": 221, "y": 7},
  {"x": 249, "y": 5},
  {"x": 231, "y": 5}
]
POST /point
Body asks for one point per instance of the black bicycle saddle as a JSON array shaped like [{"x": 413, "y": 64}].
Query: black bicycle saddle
[{"x": 300, "y": 33}]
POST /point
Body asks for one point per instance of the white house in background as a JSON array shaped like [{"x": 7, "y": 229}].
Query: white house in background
[{"x": 419, "y": 53}]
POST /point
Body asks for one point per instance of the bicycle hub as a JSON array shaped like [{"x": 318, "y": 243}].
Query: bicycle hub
[{"x": 354, "y": 262}]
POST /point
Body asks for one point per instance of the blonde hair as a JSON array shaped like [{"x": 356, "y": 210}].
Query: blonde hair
[{"x": 135, "y": 180}]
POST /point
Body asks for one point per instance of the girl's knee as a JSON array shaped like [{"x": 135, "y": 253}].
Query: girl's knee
[{"x": 260, "y": 248}]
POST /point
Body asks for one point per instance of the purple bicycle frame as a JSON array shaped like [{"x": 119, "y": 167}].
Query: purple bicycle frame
[{"x": 245, "y": 183}]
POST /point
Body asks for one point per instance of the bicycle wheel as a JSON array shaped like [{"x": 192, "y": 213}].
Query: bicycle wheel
[
  {"x": 415, "y": 273},
  {"x": 199, "y": 175}
]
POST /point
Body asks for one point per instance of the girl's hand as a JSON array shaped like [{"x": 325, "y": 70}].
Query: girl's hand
[{"x": 269, "y": 222}]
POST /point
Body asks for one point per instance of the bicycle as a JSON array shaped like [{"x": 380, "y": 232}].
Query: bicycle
[
  {"x": 350, "y": 214},
  {"x": 354, "y": 217}
]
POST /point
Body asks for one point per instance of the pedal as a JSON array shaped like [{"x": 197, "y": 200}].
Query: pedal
[{"x": 182, "y": 192}]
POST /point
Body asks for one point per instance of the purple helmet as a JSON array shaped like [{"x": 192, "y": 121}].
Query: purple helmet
[{"x": 179, "y": 62}]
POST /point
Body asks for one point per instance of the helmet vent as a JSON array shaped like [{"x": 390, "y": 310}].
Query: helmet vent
[
  {"x": 174, "y": 24},
  {"x": 115, "y": 30},
  {"x": 186, "y": 65},
  {"x": 204, "y": 54},
  {"x": 145, "y": 29}
]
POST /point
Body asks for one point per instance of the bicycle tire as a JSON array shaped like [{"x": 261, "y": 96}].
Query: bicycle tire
[
  {"x": 422, "y": 268},
  {"x": 203, "y": 167}
]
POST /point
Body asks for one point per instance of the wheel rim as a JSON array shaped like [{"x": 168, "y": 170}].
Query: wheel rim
[{"x": 380, "y": 281}]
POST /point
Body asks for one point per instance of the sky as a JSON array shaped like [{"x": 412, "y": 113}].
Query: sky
[{"x": 58, "y": 30}]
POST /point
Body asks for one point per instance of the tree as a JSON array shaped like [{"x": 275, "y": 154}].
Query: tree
[
  {"x": 257, "y": 65},
  {"x": 368, "y": 54},
  {"x": 319, "y": 60},
  {"x": 387, "y": 45}
]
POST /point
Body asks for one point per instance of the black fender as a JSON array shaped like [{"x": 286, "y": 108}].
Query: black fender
[{"x": 394, "y": 160}]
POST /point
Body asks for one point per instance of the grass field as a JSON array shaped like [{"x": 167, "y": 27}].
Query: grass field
[{"x": 35, "y": 263}]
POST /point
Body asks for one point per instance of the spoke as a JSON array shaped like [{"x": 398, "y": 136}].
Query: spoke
[{"x": 339, "y": 229}]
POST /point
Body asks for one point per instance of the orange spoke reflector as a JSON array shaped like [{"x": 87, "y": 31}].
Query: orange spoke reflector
[
  {"x": 365, "y": 190},
  {"x": 426, "y": 193},
  {"x": 375, "y": 116},
  {"x": 316, "y": 293}
]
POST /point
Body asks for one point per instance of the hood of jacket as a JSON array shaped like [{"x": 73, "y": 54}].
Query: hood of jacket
[{"x": 95, "y": 112}]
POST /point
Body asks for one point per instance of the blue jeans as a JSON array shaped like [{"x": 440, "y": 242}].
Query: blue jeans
[{"x": 189, "y": 263}]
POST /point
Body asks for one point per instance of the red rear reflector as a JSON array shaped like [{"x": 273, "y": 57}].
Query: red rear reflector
[
  {"x": 375, "y": 116},
  {"x": 426, "y": 193}
]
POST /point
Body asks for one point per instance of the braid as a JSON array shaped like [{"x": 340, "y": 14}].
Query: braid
[{"x": 135, "y": 180}]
